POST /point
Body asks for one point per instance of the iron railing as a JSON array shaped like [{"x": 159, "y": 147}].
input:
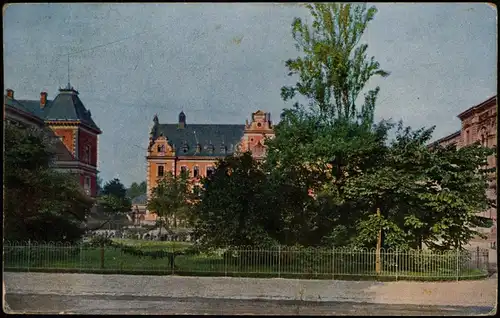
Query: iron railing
[{"x": 326, "y": 263}]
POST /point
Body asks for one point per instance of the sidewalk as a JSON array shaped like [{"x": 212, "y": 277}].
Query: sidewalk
[{"x": 462, "y": 293}]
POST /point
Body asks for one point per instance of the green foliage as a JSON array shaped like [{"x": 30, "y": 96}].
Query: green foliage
[
  {"x": 172, "y": 197},
  {"x": 136, "y": 189},
  {"x": 232, "y": 210},
  {"x": 113, "y": 199},
  {"x": 40, "y": 203},
  {"x": 329, "y": 167},
  {"x": 334, "y": 69}
]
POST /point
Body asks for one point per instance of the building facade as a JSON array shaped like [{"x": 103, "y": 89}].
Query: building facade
[
  {"x": 195, "y": 148},
  {"x": 67, "y": 120},
  {"x": 479, "y": 124}
]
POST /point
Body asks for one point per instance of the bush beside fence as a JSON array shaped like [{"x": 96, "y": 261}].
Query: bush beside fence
[{"x": 286, "y": 262}]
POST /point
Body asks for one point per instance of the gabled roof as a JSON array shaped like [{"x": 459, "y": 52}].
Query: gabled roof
[
  {"x": 66, "y": 106},
  {"x": 19, "y": 108},
  {"x": 218, "y": 136}
]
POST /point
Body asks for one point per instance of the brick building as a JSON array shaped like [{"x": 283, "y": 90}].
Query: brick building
[
  {"x": 479, "y": 124},
  {"x": 66, "y": 119},
  {"x": 195, "y": 148}
]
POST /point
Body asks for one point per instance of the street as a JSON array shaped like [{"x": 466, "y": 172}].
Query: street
[{"x": 88, "y": 304}]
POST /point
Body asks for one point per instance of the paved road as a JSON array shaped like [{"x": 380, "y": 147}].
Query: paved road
[{"x": 88, "y": 304}]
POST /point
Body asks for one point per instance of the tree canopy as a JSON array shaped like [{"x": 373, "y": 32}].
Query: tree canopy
[
  {"x": 40, "y": 203},
  {"x": 330, "y": 167}
]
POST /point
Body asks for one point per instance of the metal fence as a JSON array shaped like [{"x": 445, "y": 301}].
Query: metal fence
[{"x": 286, "y": 262}]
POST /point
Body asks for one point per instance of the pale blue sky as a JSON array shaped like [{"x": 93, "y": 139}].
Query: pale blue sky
[{"x": 220, "y": 61}]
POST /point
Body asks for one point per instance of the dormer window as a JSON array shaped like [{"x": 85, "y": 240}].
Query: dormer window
[
  {"x": 210, "y": 149},
  {"x": 185, "y": 148},
  {"x": 161, "y": 148},
  {"x": 223, "y": 149},
  {"x": 198, "y": 148}
]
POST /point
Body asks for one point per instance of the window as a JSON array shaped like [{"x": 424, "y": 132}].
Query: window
[
  {"x": 184, "y": 169},
  {"x": 196, "y": 171},
  {"x": 467, "y": 137},
  {"x": 161, "y": 171},
  {"x": 161, "y": 148},
  {"x": 87, "y": 154},
  {"x": 484, "y": 141},
  {"x": 210, "y": 171}
]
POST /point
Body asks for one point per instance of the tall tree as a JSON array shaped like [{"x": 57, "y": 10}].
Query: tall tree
[
  {"x": 323, "y": 144},
  {"x": 231, "y": 211},
  {"x": 136, "y": 189},
  {"x": 40, "y": 203},
  {"x": 171, "y": 198},
  {"x": 334, "y": 68},
  {"x": 114, "y": 198}
]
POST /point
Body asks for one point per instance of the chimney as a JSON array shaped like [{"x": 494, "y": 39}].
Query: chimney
[
  {"x": 10, "y": 93},
  {"x": 43, "y": 99}
]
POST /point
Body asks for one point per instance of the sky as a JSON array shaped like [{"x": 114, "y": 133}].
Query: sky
[{"x": 219, "y": 62}]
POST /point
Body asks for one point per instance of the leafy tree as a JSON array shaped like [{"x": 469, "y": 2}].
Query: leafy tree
[
  {"x": 136, "y": 189},
  {"x": 335, "y": 68},
  {"x": 40, "y": 203},
  {"x": 231, "y": 211},
  {"x": 321, "y": 145},
  {"x": 332, "y": 147},
  {"x": 426, "y": 195},
  {"x": 114, "y": 198},
  {"x": 171, "y": 198}
]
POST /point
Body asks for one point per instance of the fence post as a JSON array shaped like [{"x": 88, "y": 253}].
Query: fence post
[
  {"x": 29, "y": 254},
  {"x": 81, "y": 253},
  {"x": 279, "y": 261},
  {"x": 458, "y": 266},
  {"x": 397, "y": 263},
  {"x": 225, "y": 257},
  {"x": 333, "y": 262}
]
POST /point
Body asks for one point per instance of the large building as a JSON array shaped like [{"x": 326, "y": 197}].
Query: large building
[
  {"x": 67, "y": 120},
  {"x": 479, "y": 124},
  {"x": 195, "y": 148}
]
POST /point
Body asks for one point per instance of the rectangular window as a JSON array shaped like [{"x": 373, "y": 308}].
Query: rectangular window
[
  {"x": 210, "y": 171},
  {"x": 184, "y": 169},
  {"x": 196, "y": 171},
  {"x": 467, "y": 137},
  {"x": 161, "y": 171},
  {"x": 87, "y": 154}
]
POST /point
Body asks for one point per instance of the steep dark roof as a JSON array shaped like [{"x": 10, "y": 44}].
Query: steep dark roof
[
  {"x": 206, "y": 135},
  {"x": 66, "y": 106}
]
